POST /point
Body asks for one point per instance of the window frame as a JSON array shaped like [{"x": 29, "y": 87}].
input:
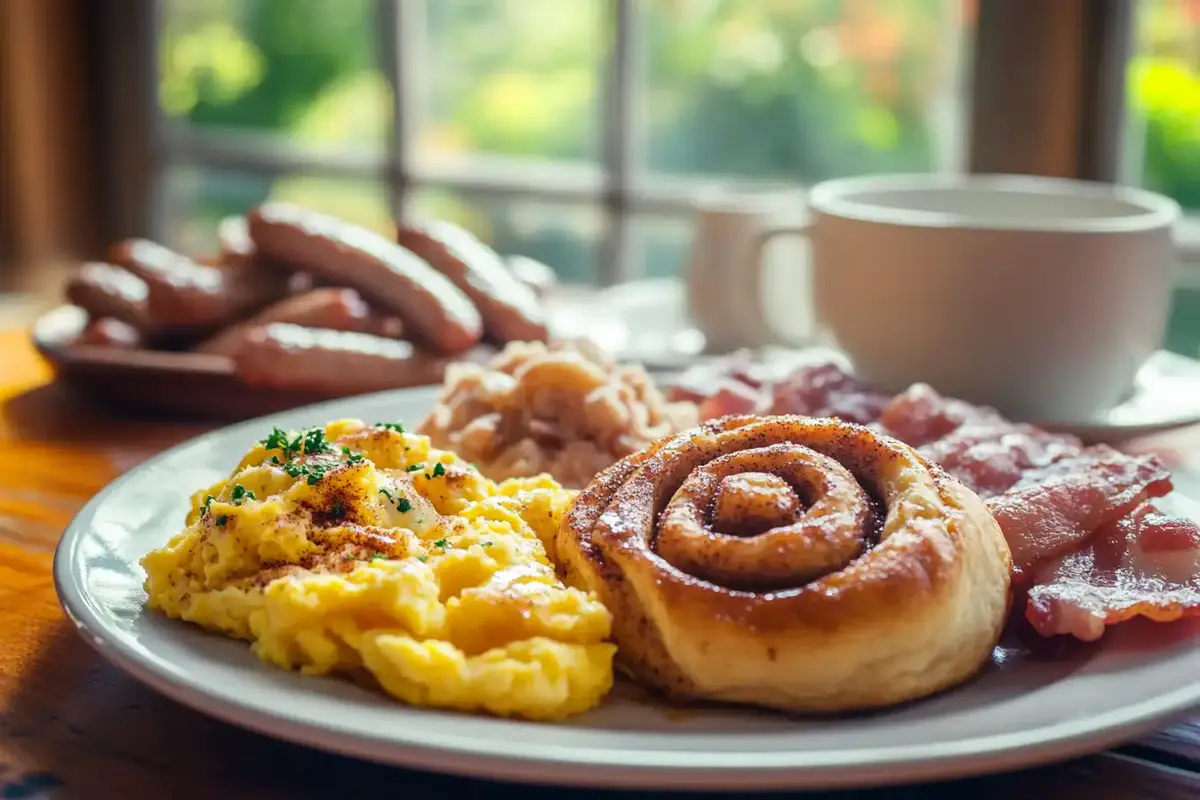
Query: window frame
[{"x": 1046, "y": 97}]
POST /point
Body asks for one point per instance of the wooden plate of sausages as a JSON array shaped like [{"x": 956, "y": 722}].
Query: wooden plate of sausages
[{"x": 296, "y": 307}]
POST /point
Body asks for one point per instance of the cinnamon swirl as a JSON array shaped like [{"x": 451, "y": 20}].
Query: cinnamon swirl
[{"x": 797, "y": 563}]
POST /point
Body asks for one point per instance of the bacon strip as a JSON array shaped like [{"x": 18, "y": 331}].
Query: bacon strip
[
  {"x": 704, "y": 380},
  {"x": 826, "y": 390},
  {"x": 1144, "y": 564},
  {"x": 731, "y": 397},
  {"x": 919, "y": 415},
  {"x": 1058, "y": 507},
  {"x": 991, "y": 458}
]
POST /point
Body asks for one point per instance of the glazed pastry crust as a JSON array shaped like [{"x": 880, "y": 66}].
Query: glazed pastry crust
[{"x": 916, "y": 611}]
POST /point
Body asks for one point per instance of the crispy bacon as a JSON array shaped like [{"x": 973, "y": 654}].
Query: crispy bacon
[
  {"x": 986, "y": 452},
  {"x": 731, "y": 397},
  {"x": 826, "y": 390},
  {"x": 1056, "y": 508},
  {"x": 990, "y": 458},
  {"x": 919, "y": 415},
  {"x": 1144, "y": 564},
  {"x": 703, "y": 381}
]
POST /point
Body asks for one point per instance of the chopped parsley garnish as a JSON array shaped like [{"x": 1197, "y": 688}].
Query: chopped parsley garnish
[
  {"x": 276, "y": 440},
  {"x": 422, "y": 558},
  {"x": 337, "y": 510},
  {"x": 402, "y": 503},
  {"x": 442, "y": 543},
  {"x": 312, "y": 472},
  {"x": 221, "y": 520},
  {"x": 208, "y": 501},
  {"x": 314, "y": 442},
  {"x": 398, "y": 427},
  {"x": 414, "y": 468},
  {"x": 309, "y": 442},
  {"x": 485, "y": 544},
  {"x": 241, "y": 494},
  {"x": 438, "y": 470},
  {"x": 377, "y": 556}
]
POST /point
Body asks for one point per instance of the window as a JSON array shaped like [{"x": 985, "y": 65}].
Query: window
[
  {"x": 1164, "y": 98},
  {"x": 573, "y": 131},
  {"x": 1163, "y": 138},
  {"x": 576, "y": 131}
]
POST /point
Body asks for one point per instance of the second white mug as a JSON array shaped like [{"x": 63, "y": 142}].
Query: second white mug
[{"x": 746, "y": 277}]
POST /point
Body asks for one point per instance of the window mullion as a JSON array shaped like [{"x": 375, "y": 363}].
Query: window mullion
[
  {"x": 401, "y": 32},
  {"x": 132, "y": 128},
  {"x": 1109, "y": 44},
  {"x": 1047, "y": 88},
  {"x": 618, "y": 136}
]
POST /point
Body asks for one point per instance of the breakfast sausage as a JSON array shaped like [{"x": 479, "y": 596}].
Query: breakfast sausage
[
  {"x": 509, "y": 307},
  {"x": 286, "y": 356},
  {"x": 534, "y": 273},
  {"x": 330, "y": 309},
  {"x": 233, "y": 241},
  {"x": 433, "y": 309},
  {"x": 185, "y": 294},
  {"x": 237, "y": 250},
  {"x": 108, "y": 332},
  {"x": 103, "y": 290}
]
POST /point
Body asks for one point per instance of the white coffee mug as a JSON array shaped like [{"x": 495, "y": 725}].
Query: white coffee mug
[{"x": 1039, "y": 296}]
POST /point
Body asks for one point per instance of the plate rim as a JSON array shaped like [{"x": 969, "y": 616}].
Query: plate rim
[{"x": 579, "y": 765}]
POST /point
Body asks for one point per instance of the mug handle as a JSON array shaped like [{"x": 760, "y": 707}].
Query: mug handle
[{"x": 767, "y": 334}]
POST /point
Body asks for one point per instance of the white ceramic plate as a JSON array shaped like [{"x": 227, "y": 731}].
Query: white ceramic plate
[{"x": 1021, "y": 711}]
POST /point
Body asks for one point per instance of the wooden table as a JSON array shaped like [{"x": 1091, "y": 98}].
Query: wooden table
[{"x": 73, "y": 726}]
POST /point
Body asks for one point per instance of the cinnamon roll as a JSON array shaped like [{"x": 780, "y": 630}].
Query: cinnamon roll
[{"x": 804, "y": 564}]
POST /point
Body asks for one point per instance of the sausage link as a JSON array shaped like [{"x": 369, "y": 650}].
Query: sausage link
[
  {"x": 237, "y": 250},
  {"x": 533, "y": 273},
  {"x": 234, "y": 243},
  {"x": 286, "y": 356},
  {"x": 103, "y": 290},
  {"x": 330, "y": 309},
  {"x": 187, "y": 295},
  {"x": 109, "y": 332},
  {"x": 509, "y": 308},
  {"x": 433, "y": 309}
]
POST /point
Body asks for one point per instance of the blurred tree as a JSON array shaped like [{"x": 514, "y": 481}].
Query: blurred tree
[
  {"x": 259, "y": 64},
  {"x": 792, "y": 90},
  {"x": 1164, "y": 91},
  {"x": 514, "y": 77}
]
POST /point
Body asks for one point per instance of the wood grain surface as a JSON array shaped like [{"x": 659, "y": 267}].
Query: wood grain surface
[{"x": 73, "y": 726}]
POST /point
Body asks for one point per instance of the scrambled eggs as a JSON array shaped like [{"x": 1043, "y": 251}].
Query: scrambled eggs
[{"x": 360, "y": 548}]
